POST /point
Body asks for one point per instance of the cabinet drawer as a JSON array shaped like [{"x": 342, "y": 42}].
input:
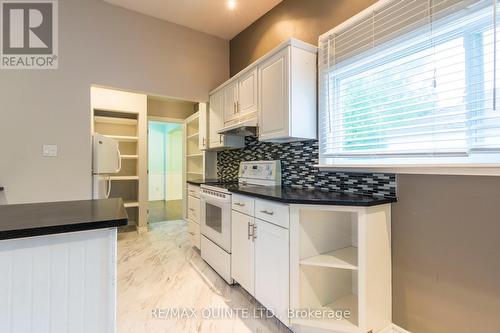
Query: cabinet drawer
[
  {"x": 272, "y": 212},
  {"x": 194, "y": 233},
  {"x": 193, "y": 212},
  {"x": 194, "y": 191},
  {"x": 243, "y": 204}
]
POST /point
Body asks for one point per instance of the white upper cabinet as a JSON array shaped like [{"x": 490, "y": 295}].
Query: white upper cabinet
[
  {"x": 230, "y": 103},
  {"x": 203, "y": 130},
  {"x": 216, "y": 118},
  {"x": 216, "y": 123},
  {"x": 247, "y": 90},
  {"x": 277, "y": 92},
  {"x": 288, "y": 97},
  {"x": 273, "y": 89}
]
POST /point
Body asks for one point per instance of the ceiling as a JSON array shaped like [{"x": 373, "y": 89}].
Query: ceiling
[{"x": 210, "y": 16}]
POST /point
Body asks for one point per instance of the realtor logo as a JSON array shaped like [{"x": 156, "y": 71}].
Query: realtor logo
[{"x": 29, "y": 34}]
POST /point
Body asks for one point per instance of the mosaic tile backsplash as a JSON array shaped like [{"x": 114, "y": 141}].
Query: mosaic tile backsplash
[{"x": 297, "y": 160}]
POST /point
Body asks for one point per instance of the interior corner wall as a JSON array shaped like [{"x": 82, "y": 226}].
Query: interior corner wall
[
  {"x": 98, "y": 44},
  {"x": 444, "y": 228},
  {"x": 173, "y": 109}
]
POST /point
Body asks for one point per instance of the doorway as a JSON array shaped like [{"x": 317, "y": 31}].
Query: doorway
[{"x": 165, "y": 155}]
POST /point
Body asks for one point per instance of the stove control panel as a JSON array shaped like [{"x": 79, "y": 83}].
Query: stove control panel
[{"x": 255, "y": 172}]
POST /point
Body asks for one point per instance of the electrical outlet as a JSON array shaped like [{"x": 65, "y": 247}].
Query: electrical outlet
[{"x": 49, "y": 151}]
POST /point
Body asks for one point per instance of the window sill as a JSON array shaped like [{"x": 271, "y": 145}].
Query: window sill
[{"x": 429, "y": 169}]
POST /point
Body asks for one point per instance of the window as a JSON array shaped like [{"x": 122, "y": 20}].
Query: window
[{"x": 411, "y": 83}]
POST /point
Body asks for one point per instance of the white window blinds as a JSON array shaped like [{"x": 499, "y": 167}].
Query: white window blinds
[{"x": 410, "y": 81}]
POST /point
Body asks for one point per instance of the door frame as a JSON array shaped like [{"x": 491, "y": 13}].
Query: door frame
[{"x": 183, "y": 152}]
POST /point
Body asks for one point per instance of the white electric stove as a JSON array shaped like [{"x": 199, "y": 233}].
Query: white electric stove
[{"x": 216, "y": 211}]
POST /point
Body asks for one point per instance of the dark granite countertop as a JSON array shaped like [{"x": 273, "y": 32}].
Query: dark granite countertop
[
  {"x": 292, "y": 195},
  {"x": 37, "y": 219}
]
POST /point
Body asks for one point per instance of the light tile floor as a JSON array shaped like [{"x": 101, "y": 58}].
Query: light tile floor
[{"x": 160, "y": 270}]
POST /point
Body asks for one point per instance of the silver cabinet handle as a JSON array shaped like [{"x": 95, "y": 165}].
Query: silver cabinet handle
[
  {"x": 203, "y": 143},
  {"x": 249, "y": 230},
  {"x": 254, "y": 233},
  {"x": 266, "y": 212},
  {"x": 220, "y": 138},
  {"x": 239, "y": 204}
]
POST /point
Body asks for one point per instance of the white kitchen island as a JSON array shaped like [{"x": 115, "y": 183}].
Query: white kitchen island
[{"x": 58, "y": 266}]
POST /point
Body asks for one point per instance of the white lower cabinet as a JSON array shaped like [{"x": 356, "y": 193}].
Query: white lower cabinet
[
  {"x": 260, "y": 254},
  {"x": 242, "y": 256},
  {"x": 272, "y": 268},
  {"x": 194, "y": 233}
]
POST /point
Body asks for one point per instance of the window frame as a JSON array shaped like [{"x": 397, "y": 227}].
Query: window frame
[{"x": 476, "y": 162}]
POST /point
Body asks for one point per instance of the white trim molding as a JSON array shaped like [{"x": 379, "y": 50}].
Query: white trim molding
[
  {"x": 393, "y": 329},
  {"x": 434, "y": 169}
]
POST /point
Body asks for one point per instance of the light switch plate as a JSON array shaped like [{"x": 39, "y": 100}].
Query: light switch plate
[{"x": 49, "y": 151}]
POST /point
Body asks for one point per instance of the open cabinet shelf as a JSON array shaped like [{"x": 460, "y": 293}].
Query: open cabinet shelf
[
  {"x": 122, "y": 116},
  {"x": 124, "y": 138},
  {"x": 340, "y": 262},
  {"x": 131, "y": 204},
  {"x": 129, "y": 157},
  {"x": 346, "y": 258},
  {"x": 115, "y": 120}
]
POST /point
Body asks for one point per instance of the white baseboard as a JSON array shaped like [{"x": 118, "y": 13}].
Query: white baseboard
[{"x": 394, "y": 329}]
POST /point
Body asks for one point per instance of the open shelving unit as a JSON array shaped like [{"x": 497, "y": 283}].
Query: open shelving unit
[
  {"x": 200, "y": 164},
  {"x": 123, "y": 117},
  {"x": 340, "y": 262}
]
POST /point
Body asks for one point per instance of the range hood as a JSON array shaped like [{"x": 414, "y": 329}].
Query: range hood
[{"x": 244, "y": 128}]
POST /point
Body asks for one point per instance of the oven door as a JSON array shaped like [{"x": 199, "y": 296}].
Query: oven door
[{"x": 216, "y": 219}]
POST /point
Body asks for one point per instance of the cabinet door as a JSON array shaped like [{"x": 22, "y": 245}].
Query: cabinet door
[
  {"x": 247, "y": 90},
  {"x": 230, "y": 102},
  {"x": 203, "y": 124},
  {"x": 216, "y": 121},
  {"x": 242, "y": 248},
  {"x": 272, "y": 268},
  {"x": 274, "y": 96}
]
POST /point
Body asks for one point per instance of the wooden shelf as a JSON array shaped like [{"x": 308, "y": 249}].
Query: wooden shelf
[
  {"x": 123, "y": 138},
  {"x": 346, "y": 258},
  {"x": 195, "y": 135},
  {"x": 129, "y": 157},
  {"x": 124, "y": 177},
  {"x": 130, "y": 204},
  {"x": 346, "y": 303},
  {"x": 195, "y": 173},
  {"x": 115, "y": 120},
  {"x": 195, "y": 155}
]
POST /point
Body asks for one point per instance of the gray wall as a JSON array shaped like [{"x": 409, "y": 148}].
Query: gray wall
[
  {"x": 446, "y": 256},
  {"x": 98, "y": 44}
]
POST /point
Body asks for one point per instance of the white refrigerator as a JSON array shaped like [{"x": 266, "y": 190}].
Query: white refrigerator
[{"x": 106, "y": 161}]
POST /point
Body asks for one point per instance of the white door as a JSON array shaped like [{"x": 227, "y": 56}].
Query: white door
[
  {"x": 230, "y": 102},
  {"x": 242, "y": 256},
  {"x": 272, "y": 268},
  {"x": 274, "y": 96},
  {"x": 247, "y": 101},
  {"x": 203, "y": 133},
  {"x": 216, "y": 121}
]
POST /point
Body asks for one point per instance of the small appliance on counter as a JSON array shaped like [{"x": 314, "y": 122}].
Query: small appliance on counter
[
  {"x": 216, "y": 212},
  {"x": 106, "y": 160}
]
